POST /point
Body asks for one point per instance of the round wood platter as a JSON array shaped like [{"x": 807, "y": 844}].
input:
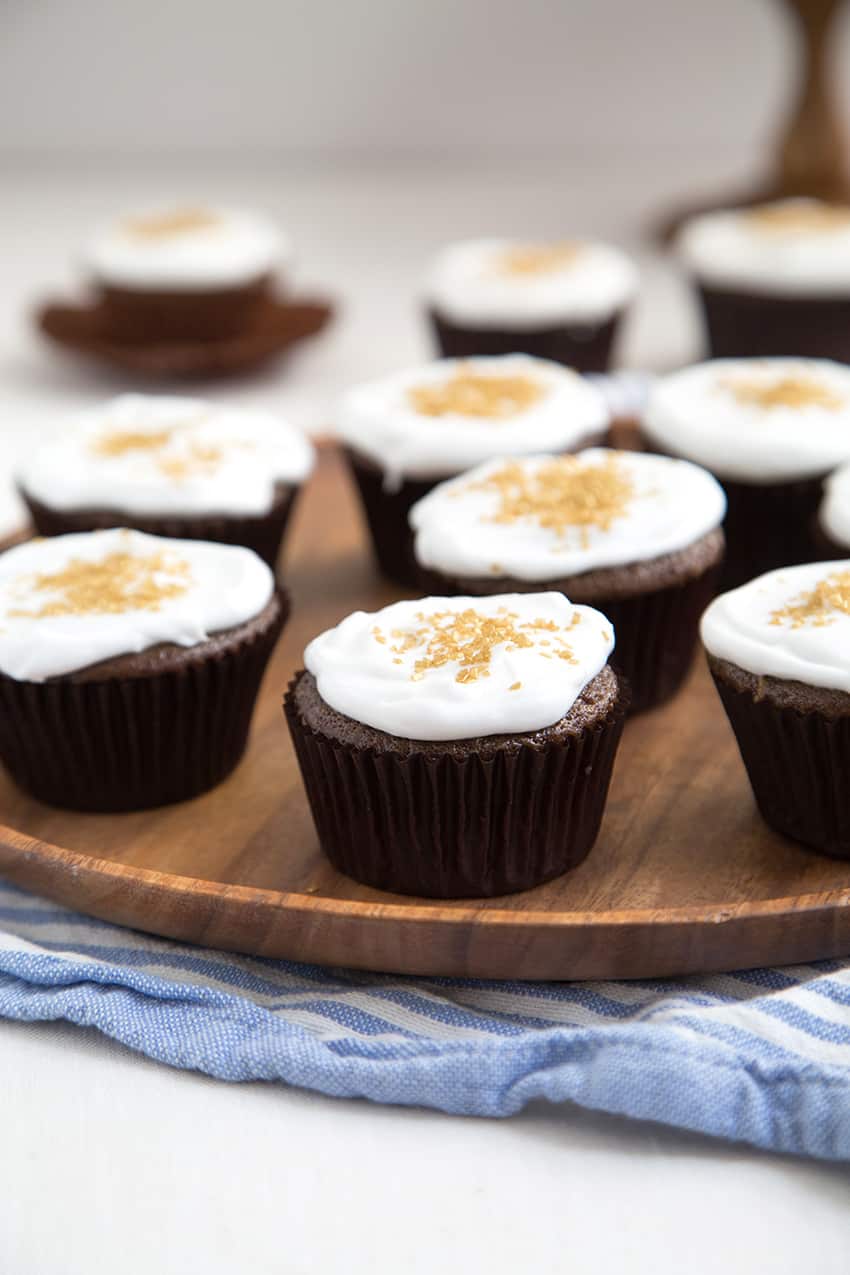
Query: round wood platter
[{"x": 685, "y": 876}]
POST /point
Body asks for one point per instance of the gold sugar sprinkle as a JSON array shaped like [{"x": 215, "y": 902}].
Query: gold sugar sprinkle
[
  {"x": 517, "y": 686},
  {"x": 537, "y": 258},
  {"x": 117, "y": 583},
  {"x": 784, "y": 391},
  {"x": 178, "y": 221},
  {"x": 470, "y": 394},
  {"x": 799, "y": 217},
  {"x": 820, "y": 605},
  {"x": 119, "y": 442},
  {"x": 561, "y": 494},
  {"x": 202, "y": 459},
  {"x": 469, "y": 638}
]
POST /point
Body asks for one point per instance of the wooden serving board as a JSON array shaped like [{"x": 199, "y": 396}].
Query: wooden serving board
[{"x": 685, "y": 876}]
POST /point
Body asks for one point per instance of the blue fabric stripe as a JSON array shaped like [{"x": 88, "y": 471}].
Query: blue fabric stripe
[{"x": 732, "y": 1056}]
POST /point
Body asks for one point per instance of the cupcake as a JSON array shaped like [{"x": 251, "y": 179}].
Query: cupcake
[
  {"x": 634, "y": 535},
  {"x": 774, "y": 279},
  {"x": 770, "y": 430},
  {"x": 831, "y": 530},
  {"x": 560, "y": 301},
  {"x": 176, "y": 467},
  {"x": 778, "y": 651},
  {"x": 454, "y": 747},
  {"x": 408, "y": 432},
  {"x": 129, "y": 665},
  {"x": 184, "y": 273}
]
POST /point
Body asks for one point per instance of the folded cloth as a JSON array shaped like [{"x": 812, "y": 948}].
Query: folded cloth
[{"x": 761, "y": 1056}]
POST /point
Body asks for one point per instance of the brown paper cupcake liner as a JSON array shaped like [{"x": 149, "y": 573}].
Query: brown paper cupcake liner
[
  {"x": 386, "y": 516},
  {"x": 767, "y": 527},
  {"x": 745, "y": 325},
  {"x": 585, "y": 347},
  {"x": 447, "y": 826},
  {"x": 144, "y": 315},
  {"x": 130, "y": 743},
  {"x": 798, "y": 766},
  {"x": 262, "y": 533}
]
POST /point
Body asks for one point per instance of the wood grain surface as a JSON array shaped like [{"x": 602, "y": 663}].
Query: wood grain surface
[{"x": 685, "y": 876}]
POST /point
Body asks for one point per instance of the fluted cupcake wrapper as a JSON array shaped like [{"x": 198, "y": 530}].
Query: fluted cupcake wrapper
[
  {"x": 129, "y": 743},
  {"x": 452, "y": 826},
  {"x": 386, "y": 514},
  {"x": 656, "y": 635},
  {"x": 747, "y": 325},
  {"x": 768, "y": 526},
  {"x": 261, "y": 532},
  {"x": 798, "y": 766},
  {"x": 583, "y": 346}
]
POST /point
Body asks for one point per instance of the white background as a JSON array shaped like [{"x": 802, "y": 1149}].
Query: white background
[{"x": 375, "y": 130}]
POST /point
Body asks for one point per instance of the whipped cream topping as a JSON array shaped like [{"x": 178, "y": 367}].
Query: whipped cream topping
[
  {"x": 71, "y": 601},
  {"x": 834, "y": 512},
  {"x": 793, "y": 623},
  {"x": 459, "y": 668},
  {"x": 526, "y": 285},
  {"x": 187, "y": 248},
  {"x": 756, "y": 420},
  {"x": 542, "y": 518},
  {"x": 437, "y": 420},
  {"x": 793, "y": 246},
  {"x": 150, "y": 454}
]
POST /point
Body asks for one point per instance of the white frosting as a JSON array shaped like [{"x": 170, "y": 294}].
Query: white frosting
[
  {"x": 694, "y": 413},
  {"x": 372, "y": 680},
  {"x": 380, "y": 421},
  {"x": 673, "y": 505},
  {"x": 225, "y": 586},
  {"x": 835, "y": 509},
  {"x": 198, "y": 459},
  {"x": 731, "y": 249},
  {"x": 235, "y": 248},
  {"x": 468, "y": 286},
  {"x": 738, "y": 627}
]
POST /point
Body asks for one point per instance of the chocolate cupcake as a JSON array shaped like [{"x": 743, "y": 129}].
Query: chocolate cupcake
[
  {"x": 177, "y": 467},
  {"x": 561, "y": 301},
  {"x": 770, "y": 430},
  {"x": 778, "y": 651},
  {"x": 635, "y": 535},
  {"x": 188, "y": 273},
  {"x": 773, "y": 280},
  {"x": 455, "y": 747},
  {"x": 129, "y": 665},
  {"x": 408, "y": 432},
  {"x": 831, "y": 530}
]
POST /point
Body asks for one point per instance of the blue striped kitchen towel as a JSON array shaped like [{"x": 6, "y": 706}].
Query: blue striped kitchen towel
[{"x": 761, "y": 1056}]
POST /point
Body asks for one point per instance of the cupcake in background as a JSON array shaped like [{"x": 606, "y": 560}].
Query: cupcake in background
[
  {"x": 778, "y": 651},
  {"x": 561, "y": 301},
  {"x": 455, "y": 747},
  {"x": 406, "y": 432},
  {"x": 170, "y": 466},
  {"x": 770, "y": 430},
  {"x": 129, "y": 665},
  {"x": 634, "y": 535},
  {"x": 774, "y": 279},
  {"x": 831, "y": 533},
  {"x": 184, "y": 273}
]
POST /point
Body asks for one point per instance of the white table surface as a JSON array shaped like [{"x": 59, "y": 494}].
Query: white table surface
[{"x": 113, "y": 1163}]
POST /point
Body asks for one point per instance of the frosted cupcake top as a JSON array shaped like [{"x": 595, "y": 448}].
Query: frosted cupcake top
[
  {"x": 526, "y": 285},
  {"x": 545, "y": 517},
  {"x": 436, "y": 420},
  {"x": 186, "y": 248},
  {"x": 459, "y": 668},
  {"x": 793, "y": 623},
  {"x": 756, "y": 420},
  {"x": 72, "y": 601},
  {"x": 794, "y": 246},
  {"x": 835, "y": 508},
  {"x": 151, "y": 454}
]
